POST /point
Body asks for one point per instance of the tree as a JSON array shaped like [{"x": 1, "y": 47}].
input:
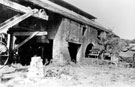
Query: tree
[{"x": 112, "y": 44}]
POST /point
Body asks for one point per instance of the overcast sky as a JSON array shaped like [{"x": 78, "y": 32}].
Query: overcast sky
[{"x": 119, "y": 15}]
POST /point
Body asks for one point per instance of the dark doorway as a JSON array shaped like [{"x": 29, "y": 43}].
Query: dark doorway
[
  {"x": 89, "y": 47},
  {"x": 34, "y": 48},
  {"x": 48, "y": 52},
  {"x": 73, "y": 49}
]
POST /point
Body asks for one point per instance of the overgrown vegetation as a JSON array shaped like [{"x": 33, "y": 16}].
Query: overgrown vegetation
[{"x": 113, "y": 44}]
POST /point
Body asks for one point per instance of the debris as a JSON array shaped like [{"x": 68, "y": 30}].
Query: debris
[{"x": 36, "y": 68}]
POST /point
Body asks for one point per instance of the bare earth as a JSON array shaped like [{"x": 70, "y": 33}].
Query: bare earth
[{"x": 86, "y": 75}]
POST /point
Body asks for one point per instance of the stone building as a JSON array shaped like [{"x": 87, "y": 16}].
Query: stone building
[{"x": 52, "y": 29}]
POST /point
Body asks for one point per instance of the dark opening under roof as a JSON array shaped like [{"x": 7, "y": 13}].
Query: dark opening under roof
[{"x": 73, "y": 8}]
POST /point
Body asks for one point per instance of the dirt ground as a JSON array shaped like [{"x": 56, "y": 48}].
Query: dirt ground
[{"x": 72, "y": 75}]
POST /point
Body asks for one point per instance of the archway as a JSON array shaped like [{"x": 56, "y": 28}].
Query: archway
[{"x": 89, "y": 47}]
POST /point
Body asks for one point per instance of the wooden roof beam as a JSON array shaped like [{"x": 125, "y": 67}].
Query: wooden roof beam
[{"x": 20, "y": 8}]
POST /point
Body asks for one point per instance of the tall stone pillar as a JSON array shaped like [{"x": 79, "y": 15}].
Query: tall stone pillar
[
  {"x": 79, "y": 54},
  {"x": 60, "y": 45}
]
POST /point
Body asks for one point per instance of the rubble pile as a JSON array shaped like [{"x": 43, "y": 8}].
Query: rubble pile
[{"x": 36, "y": 68}]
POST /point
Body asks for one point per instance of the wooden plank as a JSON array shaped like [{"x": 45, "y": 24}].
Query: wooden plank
[
  {"x": 21, "y": 8},
  {"x": 67, "y": 13},
  {"x": 13, "y": 21},
  {"x": 29, "y": 33}
]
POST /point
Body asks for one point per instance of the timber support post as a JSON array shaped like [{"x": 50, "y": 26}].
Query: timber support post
[{"x": 11, "y": 48}]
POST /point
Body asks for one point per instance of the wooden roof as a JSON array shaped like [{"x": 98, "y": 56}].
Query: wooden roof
[
  {"x": 73, "y": 8},
  {"x": 67, "y": 12}
]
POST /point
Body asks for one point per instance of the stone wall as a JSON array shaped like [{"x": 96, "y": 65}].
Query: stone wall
[{"x": 70, "y": 31}]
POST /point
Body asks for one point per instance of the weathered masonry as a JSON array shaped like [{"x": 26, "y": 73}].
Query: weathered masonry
[{"x": 48, "y": 28}]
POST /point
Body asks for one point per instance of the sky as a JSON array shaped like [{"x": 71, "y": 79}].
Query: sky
[{"x": 117, "y": 15}]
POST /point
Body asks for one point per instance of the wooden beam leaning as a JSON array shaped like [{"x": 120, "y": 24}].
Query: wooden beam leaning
[
  {"x": 26, "y": 40},
  {"x": 23, "y": 9},
  {"x": 13, "y": 21},
  {"x": 66, "y": 12},
  {"x": 29, "y": 33}
]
